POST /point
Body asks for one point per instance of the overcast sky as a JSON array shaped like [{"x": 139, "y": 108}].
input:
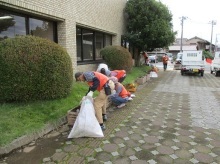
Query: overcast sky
[{"x": 200, "y": 14}]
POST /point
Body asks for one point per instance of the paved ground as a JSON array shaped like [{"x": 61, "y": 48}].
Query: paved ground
[{"x": 172, "y": 119}]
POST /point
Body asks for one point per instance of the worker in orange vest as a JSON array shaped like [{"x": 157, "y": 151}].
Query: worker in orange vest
[
  {"x": 104, "y": 85},
  {"x": 119, "y": 74},
  {"x": 165, "y": 61}
]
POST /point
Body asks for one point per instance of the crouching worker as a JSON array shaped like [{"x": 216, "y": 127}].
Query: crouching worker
[
  {"x": 99, "y": 82},
  {"x": 154, "y": 68},
  {"x": 119, "y": 74},
  {"x": 121, "y": 95}
]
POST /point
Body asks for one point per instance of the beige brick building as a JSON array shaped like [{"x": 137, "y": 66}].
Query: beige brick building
[{"x": 83, "y": 27}]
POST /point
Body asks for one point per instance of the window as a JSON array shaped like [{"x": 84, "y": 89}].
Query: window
[
  {"x": 108, "y": 40},
  {"x": 124, "y": 43},
  {"x": 24, "y": 25},
  {"x": 191, "y": 54},
  {"x": 99, "y": 44},
  {"x": 43, "y": 29},
  {"x": 128, "y": 46},
  {"x": 87, "y": 36},
  {"x": 89, "y": 43},
  {"x": 12, "y": 27}
]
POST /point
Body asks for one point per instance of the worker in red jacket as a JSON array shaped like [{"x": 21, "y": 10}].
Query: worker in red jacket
[
  {"x": 99, "y": 82},
  {"x": 119, "y": 74}
]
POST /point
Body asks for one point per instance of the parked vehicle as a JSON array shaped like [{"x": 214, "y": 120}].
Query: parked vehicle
[
  {"x": 153, "y": 59},
  {"x": 192, "y": 62},
  {"x": 215, "y": 66},
  {"x": 177, "y": 64},
  {"x": 170, "y": 56}
]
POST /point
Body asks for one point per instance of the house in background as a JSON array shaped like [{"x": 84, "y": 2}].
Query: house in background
[
  {"x": 82, "y": 27},
  {"x": 194, "y": 43}
]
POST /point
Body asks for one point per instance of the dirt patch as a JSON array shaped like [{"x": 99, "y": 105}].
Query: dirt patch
[{"x": 37, "y": 150}]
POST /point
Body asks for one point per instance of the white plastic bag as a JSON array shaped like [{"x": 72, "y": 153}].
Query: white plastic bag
[
  {"x": 153, "y": 74},
  {"x": 86, "y": 124}
]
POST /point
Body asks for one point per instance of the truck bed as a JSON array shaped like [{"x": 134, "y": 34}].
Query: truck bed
[{"x": 193, "y": 64}]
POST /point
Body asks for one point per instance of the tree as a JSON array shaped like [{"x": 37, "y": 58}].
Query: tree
[
  {"x": 207, "y": 54},
  {"x": 5, "y": 24},
  {"x": 149, "y": 25}
]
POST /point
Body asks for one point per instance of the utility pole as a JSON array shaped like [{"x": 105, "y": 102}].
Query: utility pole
[
  {"x": 213, "y": 23},
  {"x": 181, "y": 41},
  {"x": 217, "y": 43}
]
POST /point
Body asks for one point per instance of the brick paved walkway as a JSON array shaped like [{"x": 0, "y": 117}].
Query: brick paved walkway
[{"x": 172, "y": 119}]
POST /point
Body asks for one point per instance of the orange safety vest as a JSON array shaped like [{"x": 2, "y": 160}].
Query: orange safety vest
[
  {"x": 120, "y": 73},
  {"x": 102, "y": 79},
  {"x": 165, "y": 59},
  {"x": 124, "y": 93}
]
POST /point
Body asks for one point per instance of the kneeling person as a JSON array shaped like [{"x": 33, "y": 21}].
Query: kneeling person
[{"x": 121, "y": 95}]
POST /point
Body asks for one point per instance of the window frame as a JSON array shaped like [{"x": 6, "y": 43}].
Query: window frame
[{"x": 94, "y": 59}]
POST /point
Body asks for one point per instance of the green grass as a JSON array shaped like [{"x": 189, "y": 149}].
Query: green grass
[
  {"x": 18, "y": 119},
  {"x": 136, "y": 72}
]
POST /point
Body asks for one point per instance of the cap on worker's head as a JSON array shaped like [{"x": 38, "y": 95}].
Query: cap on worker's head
[
  {"x": 77, "y": 74},
  {"x": 114, "y": 79}
]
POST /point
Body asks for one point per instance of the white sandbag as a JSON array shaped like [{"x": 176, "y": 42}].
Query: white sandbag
[
  {"x": 86, "y": 124},
  {"x": 153, "y": 74},
  {"x": 102, "y": 65}
]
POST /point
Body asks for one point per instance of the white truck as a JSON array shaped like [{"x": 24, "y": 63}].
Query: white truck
[
  {"x": 192, "y": 62},
  {"x": 215, "y": 66},
  {"x": 177, "y": 64}
]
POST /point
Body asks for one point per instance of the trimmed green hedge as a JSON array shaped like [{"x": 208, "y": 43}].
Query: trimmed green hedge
[
  {"x": 33, "y": 68},
  {"x": 117, "y": 58}
]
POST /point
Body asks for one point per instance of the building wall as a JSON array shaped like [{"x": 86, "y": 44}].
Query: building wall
[
  {"x": 178, "y": 41},
  {"x": 102, "y": 15},
  {"x": 193, "y": 41}
]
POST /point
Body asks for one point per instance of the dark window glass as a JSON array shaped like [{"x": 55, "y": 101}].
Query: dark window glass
[
  {"x": 108, "y": 40},
  {"x": 18, "y": 25},
  {"x": 123, "y": 43},
  {"x": 99, "y": 44},
  {"x": 87, "y": 44},
  {"x": 41, "y": 28},
  {"x": 10, "y": 28}
]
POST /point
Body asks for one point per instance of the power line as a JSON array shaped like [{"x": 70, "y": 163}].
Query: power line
[{"x": 197, "y": 22}]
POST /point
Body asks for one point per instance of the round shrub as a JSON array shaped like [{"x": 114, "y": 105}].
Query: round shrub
[
  {"x": 117, "y": 58},
  {"x": 33, "y": 68}
]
